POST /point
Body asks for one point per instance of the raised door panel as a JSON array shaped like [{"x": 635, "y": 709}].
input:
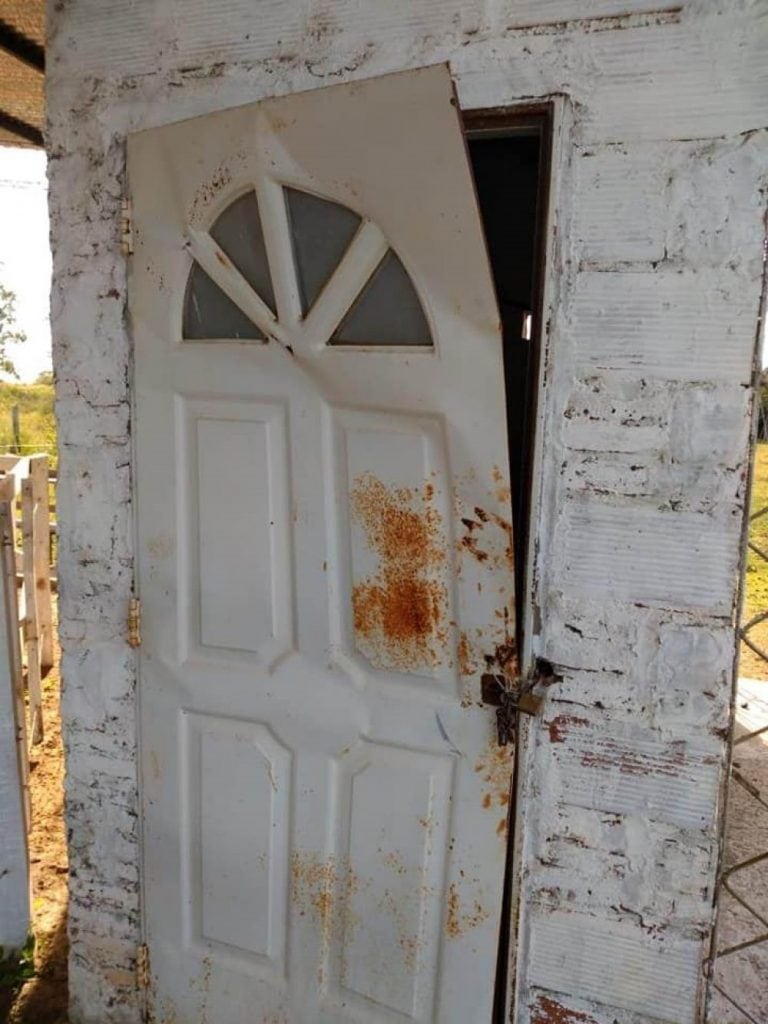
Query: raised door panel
[
  {"x": 394, "y": 809},
  {"x": 391, "y": 546},
  {"x": 236, "y": 783},
  {"x": 236, "y": 581}
]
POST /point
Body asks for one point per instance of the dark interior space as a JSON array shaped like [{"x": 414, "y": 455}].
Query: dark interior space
[
  {"x": 508, "y": 166},
  {"x": 506, "y": 170}
]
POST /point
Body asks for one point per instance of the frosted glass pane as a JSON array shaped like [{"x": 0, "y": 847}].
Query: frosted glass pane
[
  {"x": 238, "y": 232},
  {"x": 387, "y": 311},
  {"x": 321, "y": 231},
  {"x": 209, "y": 313}
]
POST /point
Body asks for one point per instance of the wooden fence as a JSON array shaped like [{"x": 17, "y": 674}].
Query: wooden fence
[
  {"x": 14, "y": 774},
  {"x": 26, "y": 531},
  {"x": 26, "y": 652}
]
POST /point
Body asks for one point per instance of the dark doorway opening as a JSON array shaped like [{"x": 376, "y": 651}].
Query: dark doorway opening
[
  {"x": 507, "y": 165},
  {"x": 510, "y": 157}
]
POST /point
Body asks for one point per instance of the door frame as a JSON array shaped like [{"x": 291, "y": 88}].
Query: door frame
[
  {"x": 499, "y": 122},
  {"x": 548, "y": 116}
]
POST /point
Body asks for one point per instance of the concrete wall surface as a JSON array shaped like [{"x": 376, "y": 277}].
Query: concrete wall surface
[{"x": 653, "y": 292}]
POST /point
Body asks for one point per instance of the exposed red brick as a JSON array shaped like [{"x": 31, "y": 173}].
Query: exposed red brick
[
  {"x": 548, "y": 1011},
  {"x": 558, "y": 726}
]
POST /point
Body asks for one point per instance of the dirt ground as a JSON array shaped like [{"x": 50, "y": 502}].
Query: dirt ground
[{"x": 43, "y": 998}]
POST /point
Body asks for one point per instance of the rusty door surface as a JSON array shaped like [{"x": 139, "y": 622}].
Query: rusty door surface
[{"x": 325, "y": 561}]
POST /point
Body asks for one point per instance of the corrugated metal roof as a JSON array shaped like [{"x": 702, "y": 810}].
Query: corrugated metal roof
[{"x": 22, "y": 97}]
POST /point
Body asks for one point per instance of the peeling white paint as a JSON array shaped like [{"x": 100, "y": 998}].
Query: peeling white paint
[{"x": 653, "y": 296}]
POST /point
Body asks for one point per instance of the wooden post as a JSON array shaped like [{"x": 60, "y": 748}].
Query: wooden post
[
  {"x": 31, "y": 629},
  {"x": 16, "y": 429},
  {"x": 14, "y": 815},
  {"x": 8, "y": 580},
  {"x": 38, "y": 471}
]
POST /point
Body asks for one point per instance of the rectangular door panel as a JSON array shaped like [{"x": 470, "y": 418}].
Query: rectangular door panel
[
  {"x": 391, "y": 523},
  {"x": 237, "y": 578},
  {"x": 236, "y": 793},
  {"x": 394, "y": 822}
]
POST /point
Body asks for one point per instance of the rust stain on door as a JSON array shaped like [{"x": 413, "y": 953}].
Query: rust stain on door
[
  {"x": 487, "y": 537},
  {"x": 461, "y": 918},
  {"x": 314, "y": 882},
  {"x": 495, "y": 769},
  {"x": 400, "y": 611}
]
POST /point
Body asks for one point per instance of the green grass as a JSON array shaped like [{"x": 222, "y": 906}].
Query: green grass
[
  {"x": 756, "y": 580},
  {"x": 757, "y": 567},
  {"x": 36, "y": 418},
  {"x": 17, "y": 966}
]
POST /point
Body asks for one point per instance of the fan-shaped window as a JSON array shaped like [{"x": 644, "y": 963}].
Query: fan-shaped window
[
  {"x": 238, "y": 232},
  {"x": 350, "y": 287},
  {"x": 208, "y": 311},
  {"x": 387, "y": 311},
  {"x": 321, "y": 232}
]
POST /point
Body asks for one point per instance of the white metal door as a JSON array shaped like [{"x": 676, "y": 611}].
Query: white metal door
[{"x": 325, "y": 561}]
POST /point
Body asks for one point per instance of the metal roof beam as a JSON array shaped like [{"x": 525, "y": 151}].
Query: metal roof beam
[{"x": 21, "y": 47}]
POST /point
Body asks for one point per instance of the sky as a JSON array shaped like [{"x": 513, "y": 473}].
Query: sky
[{"x": 25, "y": 257}]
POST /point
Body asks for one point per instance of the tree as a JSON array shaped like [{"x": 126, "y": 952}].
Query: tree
[{"x": 10, "y": 333}]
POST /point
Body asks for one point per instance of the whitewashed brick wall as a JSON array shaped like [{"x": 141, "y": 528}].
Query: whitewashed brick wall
[{"x": 654, "y": 290}]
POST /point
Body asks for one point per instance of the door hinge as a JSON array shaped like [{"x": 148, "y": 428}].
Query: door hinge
[
  {"x": 126, "y": 227},
  {"x": 142, "y": 966},
  {"x": 134, "y": 622}
]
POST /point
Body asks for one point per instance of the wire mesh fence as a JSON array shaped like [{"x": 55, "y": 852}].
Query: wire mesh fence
[{"x": 739, "y": 971}]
